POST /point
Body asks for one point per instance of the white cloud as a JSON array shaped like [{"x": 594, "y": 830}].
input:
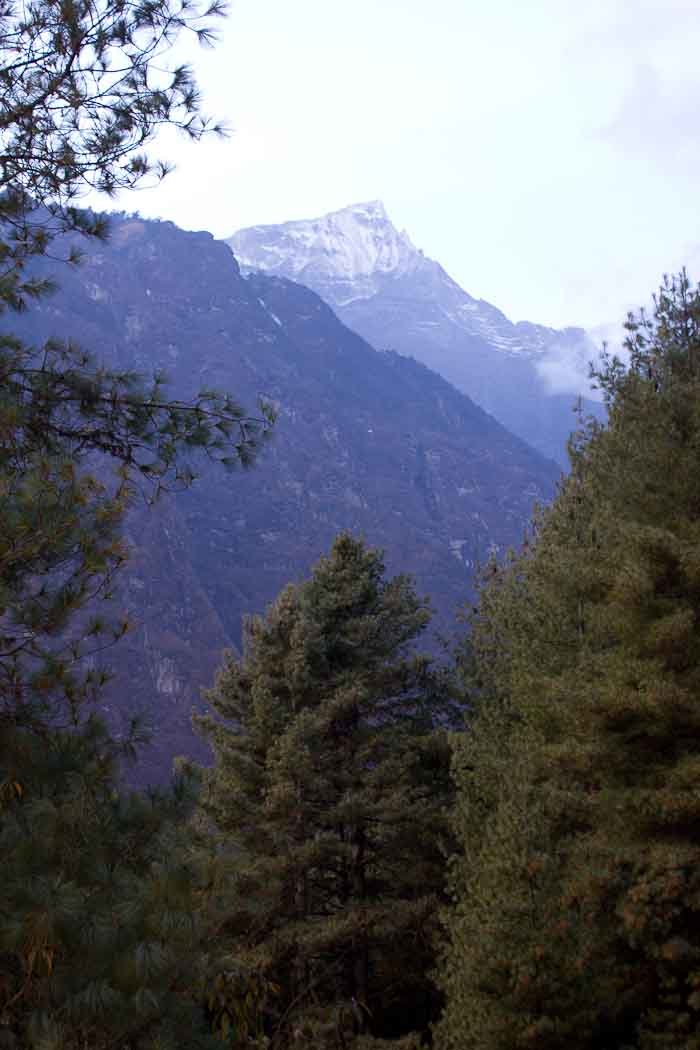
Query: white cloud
[
  {"x": 545, "y": 153},
  {"x": 566, "y": 369}
]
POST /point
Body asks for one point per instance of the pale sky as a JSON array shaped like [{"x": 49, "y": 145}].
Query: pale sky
[{"x": 546, "y": 152}]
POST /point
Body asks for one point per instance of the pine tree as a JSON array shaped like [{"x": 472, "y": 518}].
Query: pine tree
[
  {"x": 67, "y": 975},
  {"x": 60, "y": 520},
  {"x": 104, "y": 897},
  {"x": 329, "y": 793},
  {"x": 104, "y": 905},
  {"x": 85, "y": 86},
  {"x": 576, "y": 893}
]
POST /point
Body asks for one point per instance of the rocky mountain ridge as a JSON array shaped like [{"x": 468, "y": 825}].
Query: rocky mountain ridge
[
  {"x": 391, "y": 293},
  {"x": 345, "y": 256},
  {"x": 367, "y": 441},
  {"x": 345, "y": 246}
]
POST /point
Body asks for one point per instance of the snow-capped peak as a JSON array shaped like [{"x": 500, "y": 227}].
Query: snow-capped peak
[
  {"x": 353, "y": 243},
  {"x": 372, "y": 210},
  {"x": 353, "y": 255}
]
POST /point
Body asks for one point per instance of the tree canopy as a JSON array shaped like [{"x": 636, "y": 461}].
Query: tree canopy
[
  {"x": 328, "y": 794},
  {"x": 576, "y": 892},
  {"x": 104, "y": 913},
  {"x": 86, "y": 85}
]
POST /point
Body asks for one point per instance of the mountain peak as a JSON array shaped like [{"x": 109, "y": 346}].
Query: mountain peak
[
  {"x": 355, "y": 243},
  {"x": 373, "y": 211}
]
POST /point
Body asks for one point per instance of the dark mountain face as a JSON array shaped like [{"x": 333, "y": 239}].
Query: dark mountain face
[
  {"x": 368, "y": 441},
  {"x": 381, "y": 286}
]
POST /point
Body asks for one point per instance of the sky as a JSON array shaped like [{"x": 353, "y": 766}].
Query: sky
[{"x": 545, "y": 152}]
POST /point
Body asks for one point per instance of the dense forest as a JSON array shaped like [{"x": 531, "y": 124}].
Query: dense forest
[{"x": 491, "y": 851}]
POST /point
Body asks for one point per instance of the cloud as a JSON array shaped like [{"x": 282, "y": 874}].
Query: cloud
[
  {"x": 656, "y": 117},
  {"x": 565, "y": 367}
]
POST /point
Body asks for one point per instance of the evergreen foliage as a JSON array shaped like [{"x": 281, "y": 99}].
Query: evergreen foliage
[
  {"x": 328, "y": 795},
  {"x": 61, "y": 509},
  {"x": 104, "y": 906},
  {"x": 576, "y": 891},
  {"x": 85, "y": 85},
  {"x": 104, "y": 897}
]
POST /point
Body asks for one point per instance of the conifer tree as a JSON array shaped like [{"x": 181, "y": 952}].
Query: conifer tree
[
  {"x": 103, "y": 897},
  {"x": 85, "y": 86},
  {"x": 576, "y": 894},
  {"x": 104, "y": 905},
  {"x": 329, "y": 792}
]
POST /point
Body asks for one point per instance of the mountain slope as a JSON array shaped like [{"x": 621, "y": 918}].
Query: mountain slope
[
  {"x": 387, "y": 290},
  {"x": 368, "y": 441}
]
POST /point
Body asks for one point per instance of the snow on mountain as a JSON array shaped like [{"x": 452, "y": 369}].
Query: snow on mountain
[
  {"x": 385, "y": 288},
  {"x": 350, "y": 247},
  {"x": 350, "y": 254}
]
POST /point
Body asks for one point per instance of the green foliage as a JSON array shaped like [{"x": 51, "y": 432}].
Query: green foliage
[
  {"x": 85, "y": 85},
  {"x": 328, "y": 796},
  {"x": 576, "y": 892},
  {"x": 103, "y": 903},
  {"x": 104, "y": 898},
  {"x": 60, "y": 522}
]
